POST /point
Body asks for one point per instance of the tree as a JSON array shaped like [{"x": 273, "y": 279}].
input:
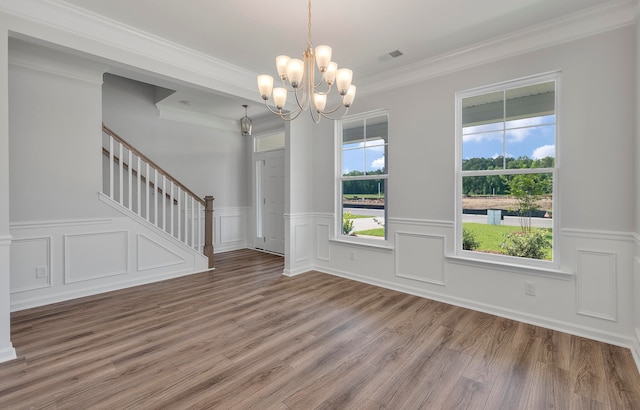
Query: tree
[{"x": 528, "y": 190}]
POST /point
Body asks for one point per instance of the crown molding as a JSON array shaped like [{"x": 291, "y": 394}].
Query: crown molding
[
  {"x": 595, "y": 20},
  {"x": 33, "y": 57},
  {"x": 69, "y": 26}
]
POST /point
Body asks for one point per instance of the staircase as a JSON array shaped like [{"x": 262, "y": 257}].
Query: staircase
[{"x": 141, "y": 187}]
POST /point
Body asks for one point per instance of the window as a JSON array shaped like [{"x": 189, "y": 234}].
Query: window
[
  {"x": 362, "y": 179},
  {"x": 506, "y": 171},
  {"x": 268, "y": 142}
]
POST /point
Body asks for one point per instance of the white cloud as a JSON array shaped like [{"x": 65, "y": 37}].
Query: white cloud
[
  {"x": 378, "y": 163},
  {"x": 544, "y": 151},
  {"x": 487, "y": 136}
]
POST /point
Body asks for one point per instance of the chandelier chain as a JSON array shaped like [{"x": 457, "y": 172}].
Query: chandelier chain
[{"x": 309, "y": 27}]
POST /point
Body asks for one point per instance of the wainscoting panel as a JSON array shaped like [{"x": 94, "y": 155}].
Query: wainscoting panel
[
  {"x": 303, "y": 248},
  {"x": 231, "y": 228},
  {"x": 323, "y": 250},
  {"x": 30, "y": 264},
  {"x": 596, "y": 284},
  {"x": 153, "y": 255},
  {"x": 95, "y": 255},
  {"x": 420, "y": 257}
]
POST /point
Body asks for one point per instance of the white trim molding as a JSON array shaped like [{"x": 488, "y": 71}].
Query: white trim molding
[
  {"x": 423, "y": 262},
  {"x": 8, "y": 353},
  {"x": 596, "y": 284}
]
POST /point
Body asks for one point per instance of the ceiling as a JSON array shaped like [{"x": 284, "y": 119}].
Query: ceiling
[{"x": 249, "y": 34}]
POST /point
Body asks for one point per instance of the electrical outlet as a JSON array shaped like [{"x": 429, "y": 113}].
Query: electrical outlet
[
  {"x": 41, "y": 271},
  {"x": 529, "y": 288},
  {"x": 352, "y": 255}
]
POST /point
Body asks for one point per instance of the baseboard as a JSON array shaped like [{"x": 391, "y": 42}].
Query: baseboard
[
  {"x": 295, "y": 272},
  {"x": 219, "y": 248},
  {"x": 8, "y": 353},
  {"x": 635, "y": 348},
  {"x": 582, "y": 331},
  {"x": 80, "y": 293}
]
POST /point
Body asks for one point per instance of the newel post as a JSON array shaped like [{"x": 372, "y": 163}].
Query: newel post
[{"x": 208, "y": 229}]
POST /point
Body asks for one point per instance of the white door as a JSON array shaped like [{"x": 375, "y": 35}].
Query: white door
[{"x": 273, "y": 201}]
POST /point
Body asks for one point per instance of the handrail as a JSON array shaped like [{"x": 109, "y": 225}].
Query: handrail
[
  {"x": 107, "y": 153},
  {"x": 130, "y": 147}
]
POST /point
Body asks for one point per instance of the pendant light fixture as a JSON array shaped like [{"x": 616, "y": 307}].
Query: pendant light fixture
[
  {"x": 300, "y": 75},
  {"x": 245, "y": 122}
]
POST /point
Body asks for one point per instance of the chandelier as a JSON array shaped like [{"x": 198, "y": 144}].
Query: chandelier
[{"x": 302, "y": 84}]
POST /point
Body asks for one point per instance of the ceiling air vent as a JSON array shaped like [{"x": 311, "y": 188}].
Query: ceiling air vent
[{"x": 391, "y": 55}]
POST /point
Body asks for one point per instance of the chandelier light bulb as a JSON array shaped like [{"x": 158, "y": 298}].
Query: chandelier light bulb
[
  {"x": 265, "y": 85},
  {"x": 281, "y": 64},
  {"x": 323, "y": 57},
  {"x": 343, "y": 80},
  {"x": 330, "y": 73},
  {"x": 279, "y": 97},
  {"x": 348, "y": 98},
  {"x": 320, "y": 101},
  {"x": 295, "y": 72}
]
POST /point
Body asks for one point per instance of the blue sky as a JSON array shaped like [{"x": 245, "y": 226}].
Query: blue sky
[
  {"x": 361, "y": 156},
  {"x": 531, "y": 137}
]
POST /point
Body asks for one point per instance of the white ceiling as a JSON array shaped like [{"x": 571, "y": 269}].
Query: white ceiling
[{"x": 249, "y": 34}]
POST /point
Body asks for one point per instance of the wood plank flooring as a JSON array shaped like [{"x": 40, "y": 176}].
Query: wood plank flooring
[{"x": 246, "y": 337}]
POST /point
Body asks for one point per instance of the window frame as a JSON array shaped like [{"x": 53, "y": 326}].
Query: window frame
[
  {"x": 512, "y": 261},
  {"x": 339, "y": 178}
]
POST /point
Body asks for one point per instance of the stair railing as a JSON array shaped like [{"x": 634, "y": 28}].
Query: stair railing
[{"x": 137, "y": 183}]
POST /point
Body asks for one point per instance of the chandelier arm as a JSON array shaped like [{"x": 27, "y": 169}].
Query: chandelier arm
[
  {"x": 317, "y": 121},
  {"x": 281, "y": 114},
  {"x": 331, "y": 111},
  {"x": 315, "y": 86},
  {"x": 324, "y": 114},
  {"x": 306, "y": 101}
]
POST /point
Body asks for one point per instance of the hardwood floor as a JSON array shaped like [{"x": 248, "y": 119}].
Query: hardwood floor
[{"x": 246, "y": 337}]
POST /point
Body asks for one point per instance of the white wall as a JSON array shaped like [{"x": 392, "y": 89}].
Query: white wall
[
  {"x": 596, "y": 198},
  {"x": 55, "y": 112}
]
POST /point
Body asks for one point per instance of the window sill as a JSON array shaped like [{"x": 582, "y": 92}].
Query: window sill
[
  {"x": 511, "y": 267},
  {"x": 364, "y": 243}
]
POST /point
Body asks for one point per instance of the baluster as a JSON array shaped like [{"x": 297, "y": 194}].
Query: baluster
[
  {"x": 155, "y": 196},
  {"x": 186, "y": 219},
  {"x": 193, "y": 221},
  {"x": 111, "y": 165},
  {"x": 147, "y": 191},
  {"x": 130, "y": 179},
  {"x": 179, "y": 214},
  {"x": 199, "y": 227},
  {"x": 139, "y": 190},
  {"x": 171, "y": 209},
  {"x": 121, "y": 176},
  {"x": 164, "y": 203}
]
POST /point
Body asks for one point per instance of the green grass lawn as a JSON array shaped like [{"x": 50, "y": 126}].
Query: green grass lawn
[
  {"x": 372, "y": 232},
  {"x": 361, "y": 216},
  {"x": 490, "y": 237}
]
